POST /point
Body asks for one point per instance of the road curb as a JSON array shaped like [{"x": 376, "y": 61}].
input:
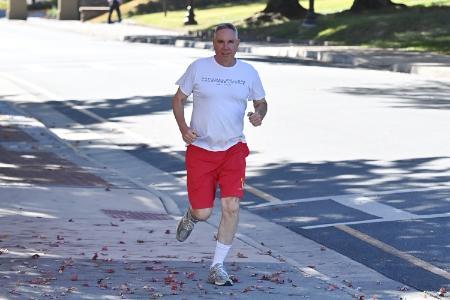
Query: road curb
[
  {"x": 379, "y": 59},
  {"x": 169, "y": 204}
]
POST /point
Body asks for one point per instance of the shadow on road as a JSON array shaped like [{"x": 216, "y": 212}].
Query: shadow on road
[
  {"x": 293, "y": 180},
  {"x": 109, "y": 108},
  {"x": 436, "y": 95}
]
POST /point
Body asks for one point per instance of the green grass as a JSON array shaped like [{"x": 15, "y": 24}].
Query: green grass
[
  {"x": 328, "y": 6},
  {"x": 417, "y": 28},
  {"x": 3, "y": 4},
  {"x": 206, "y": 17}
]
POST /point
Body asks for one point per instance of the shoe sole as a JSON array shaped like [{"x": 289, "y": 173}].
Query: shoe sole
[{"x": 227, "y": 283}]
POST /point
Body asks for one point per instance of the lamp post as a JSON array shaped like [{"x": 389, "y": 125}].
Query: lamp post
[
  {"x": 190, "y": 16},
  {"x": 310, "y": 19}
]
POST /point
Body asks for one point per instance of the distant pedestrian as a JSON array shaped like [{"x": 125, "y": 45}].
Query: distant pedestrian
[
  {"x": 114, "y": 5},
  {"x": 216, "y": 153}
]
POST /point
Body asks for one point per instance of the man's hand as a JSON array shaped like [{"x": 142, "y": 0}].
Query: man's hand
[
  {"x": 189, "y": 136},
  {"x": 255, "y": 118}
]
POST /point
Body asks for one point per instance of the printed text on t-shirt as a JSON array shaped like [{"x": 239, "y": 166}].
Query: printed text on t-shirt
[{"x": 221, "y": 81}]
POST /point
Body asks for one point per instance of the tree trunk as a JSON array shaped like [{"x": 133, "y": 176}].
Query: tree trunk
[
  {"x": 288, "y": 8},
  {"x": 361, "y": 5}
]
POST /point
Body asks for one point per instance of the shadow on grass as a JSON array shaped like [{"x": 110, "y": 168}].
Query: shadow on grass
[{"x": 418, "y": 28}]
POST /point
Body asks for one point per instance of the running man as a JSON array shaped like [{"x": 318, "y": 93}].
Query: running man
[{"x": 216, "y": 153}]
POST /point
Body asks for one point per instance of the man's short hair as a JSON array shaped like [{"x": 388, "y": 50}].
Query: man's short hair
[{"x": 226, "y": 26}]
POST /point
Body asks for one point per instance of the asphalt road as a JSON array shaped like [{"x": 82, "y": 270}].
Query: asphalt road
[{"x": 357, "y": 160}]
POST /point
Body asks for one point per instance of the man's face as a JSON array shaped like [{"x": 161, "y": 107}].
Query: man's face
[{"x": 225, "y": 43}]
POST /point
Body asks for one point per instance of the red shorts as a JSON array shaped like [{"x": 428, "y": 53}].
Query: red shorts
[{"x": 206, "y": 169}]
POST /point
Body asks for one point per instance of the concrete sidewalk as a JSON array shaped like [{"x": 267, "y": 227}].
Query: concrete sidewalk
[{"x": 72, "y": 228}]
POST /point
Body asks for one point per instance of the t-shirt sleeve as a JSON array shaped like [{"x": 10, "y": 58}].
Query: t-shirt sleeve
[
  {"x": 256, "y": 90},
  {"x": 186, "y": 81}
]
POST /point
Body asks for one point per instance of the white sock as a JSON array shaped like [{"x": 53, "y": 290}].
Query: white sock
[{"x": 220, "y": 254}]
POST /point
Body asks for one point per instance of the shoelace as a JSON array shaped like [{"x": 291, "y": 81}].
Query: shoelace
[
  {"x": 188, "y": 224},
  {"x": 221, "y": 273}
]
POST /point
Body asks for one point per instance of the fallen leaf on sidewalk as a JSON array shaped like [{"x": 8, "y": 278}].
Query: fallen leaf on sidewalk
[
  {"x": 274, "y": 277},
  {"x": 190, "y": 275},
  {"x": 347, "y": 283},
  {"x": 39, "y": 281},
  {"x": 153, "y": 268},
  {"x": 331, "y": 287},
  {"x": 168, "y": 279},
  {"x": 14, "y": 292}
]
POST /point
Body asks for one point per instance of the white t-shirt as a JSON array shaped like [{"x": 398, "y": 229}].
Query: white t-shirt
[{"x": 220, "y": 99}]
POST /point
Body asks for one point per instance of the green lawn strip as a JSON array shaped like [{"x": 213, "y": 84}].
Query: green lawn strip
[
  {"x": 3, "y": 5},
  {"x": 328, "y": 6},
  {"x": 418, "y": 28},
  {"x": 206, "y": 17}
]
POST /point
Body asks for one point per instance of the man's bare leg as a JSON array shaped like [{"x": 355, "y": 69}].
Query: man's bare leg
[
  {"x": 229, "y": 220},
  {"x": 227, "y": 229},
  {"x": 201, "y": 214}
]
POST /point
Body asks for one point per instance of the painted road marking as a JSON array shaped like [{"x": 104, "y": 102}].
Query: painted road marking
[
  {"x": 442, "y": 186},
  {"x": 391, "y": 250},
  {"x": 380, "y": 220}
]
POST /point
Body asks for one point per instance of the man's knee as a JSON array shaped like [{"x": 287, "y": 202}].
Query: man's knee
[
  {"x": 230, "y": 206},
  {"x": 201, "y": 214}
]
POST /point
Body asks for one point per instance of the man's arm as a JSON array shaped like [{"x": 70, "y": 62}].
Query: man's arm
[
  {"x": 178, "y": 101},
  {"x": 260, "y": 112}
]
